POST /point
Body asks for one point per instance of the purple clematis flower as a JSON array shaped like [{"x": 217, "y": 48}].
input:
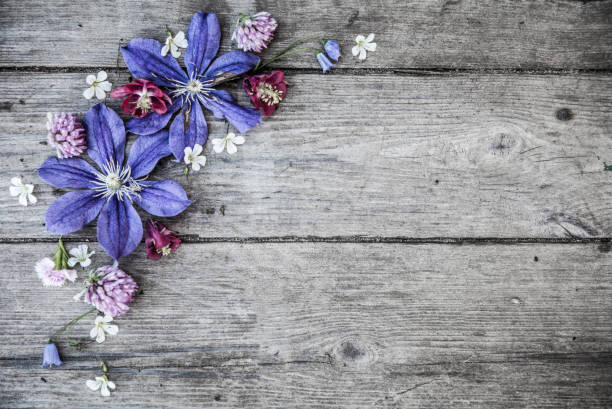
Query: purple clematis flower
[
  {"x": 190, "y": 89},
  {"x": 111, "y": 190}
]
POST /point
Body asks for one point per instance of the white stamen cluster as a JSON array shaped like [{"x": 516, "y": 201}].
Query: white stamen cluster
[
  {"x": 195, "y": 88},
  {"x": 115, "y": 180}
]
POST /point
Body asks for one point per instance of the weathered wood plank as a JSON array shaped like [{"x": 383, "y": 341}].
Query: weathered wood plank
[
  {"x": 410, "y": 34},
  {"x": 462, "y": 155},
  {"x": 327, "y": 325}
]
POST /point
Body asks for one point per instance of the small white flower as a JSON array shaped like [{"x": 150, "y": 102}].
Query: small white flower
[
  {"x": 194, "y": 158},
  {"x": 102, "y": 327},
  {"x": 101, "y": 383},
  {"x": 230, "y": 141},
  {"x": 98, "y": 86},
  {"x": 80, "y": 255},
  {"x": 173, "y": 44},
  {"x": 24, "y": 191},
  {"x": 363, "y": 45}
]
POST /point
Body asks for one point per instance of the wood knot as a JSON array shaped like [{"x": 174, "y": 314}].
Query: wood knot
[
  {"x": 353, "y": 352},
  {"x": 564, "y": 114}
]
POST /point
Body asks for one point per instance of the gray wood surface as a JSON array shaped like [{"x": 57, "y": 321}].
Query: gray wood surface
[
  {"x": 429, "y": 228},
  {"x": 318, "y": 325}
]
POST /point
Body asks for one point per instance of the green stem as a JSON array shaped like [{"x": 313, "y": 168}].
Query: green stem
[
  {"x": 68, "y": 326},
  {"x": 286, "y": 51},
  {"x": 278, "y": 57}
]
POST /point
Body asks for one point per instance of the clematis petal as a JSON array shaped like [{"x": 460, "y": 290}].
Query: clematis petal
[
  {"x": 144, "y": 60},
  {"x": 105, "y": 135},
  {"x": 163, "y": 198},
  {"x": 153, "y": 122},
  {"x": 242, "y": 118},
  {"x": 146, "y": 152},
  {"x": 196, "y": 133},
  {"x": 202, "y": 42},
  {"x": 236, "y": 62},
  {"x": 72, "y": 211},
  {"x": 119, "y": 228},
  {"x": 69, "y": 172}
]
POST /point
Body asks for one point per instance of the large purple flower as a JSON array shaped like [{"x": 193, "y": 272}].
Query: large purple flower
[
  {"x": 192, "y": 88},
  {"x": 111, "y": 190}
]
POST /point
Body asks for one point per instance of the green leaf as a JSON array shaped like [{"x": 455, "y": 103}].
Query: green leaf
[{"x": 61, "y": 256}]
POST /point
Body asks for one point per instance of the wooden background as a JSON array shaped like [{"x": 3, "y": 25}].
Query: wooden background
[{"x": 429, "y": 228}]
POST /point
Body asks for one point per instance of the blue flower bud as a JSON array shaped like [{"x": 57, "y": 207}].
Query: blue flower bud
[
  {"x": 324, "y": 62},
  {"x": 332, "y": 49},
  {"x": 51, "y": 356}
]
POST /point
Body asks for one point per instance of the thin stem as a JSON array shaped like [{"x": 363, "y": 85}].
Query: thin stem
[
  {"x": 286, "y": 51},
  {"x": 68, "y": 326},
  {"x": 278, "y": 57}
]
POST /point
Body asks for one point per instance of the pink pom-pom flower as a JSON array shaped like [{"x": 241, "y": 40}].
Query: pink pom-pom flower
[
  {"x": 67, "y": 134},
  {"x": 254, "y": 33},
  {"x": 141, "y": 97},
  {"x": 110, "y": 290}
]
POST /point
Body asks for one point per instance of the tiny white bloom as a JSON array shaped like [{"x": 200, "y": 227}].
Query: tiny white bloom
[
  {"x": 102, "y": 383},
  {"x": 194, "y": 157},
  {"x": 24, "y": 191},
  {"x": 230, "y": 141},
  {"x": 98, "y": 86},
  {"x": 363, "y": 45},
  {"x": 173, "y": 45},
  {"x": 80, "y": 255},
  {"x": 102, "y": 327}
]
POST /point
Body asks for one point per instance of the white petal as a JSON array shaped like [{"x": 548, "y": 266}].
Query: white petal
[
  {"x": 75, "y": 251},
  {"x": 101, "y": 337},
  {"x": 231, "y": 148},
  {"x": 72, "y": 261},
  {"x": 104, "y": 390},
  {"x": 111, "y": 329},
  {"x": 15, "y": 190},
  {"x": 187, "y": 151},
  {"x": 102, "y": 76},
  {"x": 230, "y": 135},
  {"x": 16, "y": 181},
  {"x": 32, "y": 198},
  {"x": 107, "y": 318},
  {"x": 197, "y": 149},
  {"x": 218, "y": 145},
  {"x": 23, "y": 200},
  {"x": 111, "y": 384},
  {"x": 201, "y": 160},
  {"x": 93, "y": 385},
  {"x": 89, "y": 92},
  {"x": 238, "y": 140},
  {"x": 106, "y": 86},
  {"x": 359, "y": 38},
  {"x": 90, "y": 79},
  {"x": 195, "y": 166},
  {"x": 370, "y": 46},
  {"x": 362, "y": 54},
  {"x": 165, "y": 49},
  {"x": 175, "y": 51},
  {"x": 370, "y": 38},
  {"x": 94, "y": 332},
  {"x": 85, "y": 263},
  {"x": 100, "y": 94},
  {"x": 355, "y": 50},
  {"x": 180, "y": 40}
]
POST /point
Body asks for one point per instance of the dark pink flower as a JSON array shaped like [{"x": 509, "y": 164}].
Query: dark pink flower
[
  {"x": 141, "y": 96},
  {"x": 159, "y": 241},
  {"x": 266, "y": 90}
]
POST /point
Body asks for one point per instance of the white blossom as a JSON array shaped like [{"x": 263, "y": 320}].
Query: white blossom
[
  {"x": 81, "y": 255},
  {"x": 98, "y": 86},
  {"x": 230, "y": 141},
  {"x": 194, "y": 157},
  {"x": 363, "y": 45},
  {"x": 173, "y": 44},
  {"x": 24, "y": 191},
  {"x": 102, "y": 327},
  {"x": 102, "y": 383}
]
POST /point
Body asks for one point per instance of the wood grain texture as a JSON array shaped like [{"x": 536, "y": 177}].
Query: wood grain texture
[
  {"x": 327, "y": 326},
  {"x": 454, "y": 155},
  {"x": 473, "y": 34}
]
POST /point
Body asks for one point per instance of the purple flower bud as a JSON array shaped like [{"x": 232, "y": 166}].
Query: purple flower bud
[
  {"x": 67, "y": 134},
  {"x": 332, "y": 49},
  {"x": 51, "y": 356},
  {"x": 110, "y": 290},
  {"x": 324, "y": 62},
  {"x": 254, "y": 33}
]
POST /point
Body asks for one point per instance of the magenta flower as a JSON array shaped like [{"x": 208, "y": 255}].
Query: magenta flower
[
  {"x": 141, "y": 97},
  {"x": 266, "y": 90},
  {"x": 111, "y": 190},
  {"x": 110, "y": 290},
  {"x": 159, "y": 241},
  {"x": 254, "y": 33},
  {"x": 66, "y": 134}
]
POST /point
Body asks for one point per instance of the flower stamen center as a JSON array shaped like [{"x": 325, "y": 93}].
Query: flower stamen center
[
  {"x": 144, "y": 102},
  {"x": 269, "y": 94},
  {"x": 194, "y": 86},
  {"x": 116, "y": 181}
]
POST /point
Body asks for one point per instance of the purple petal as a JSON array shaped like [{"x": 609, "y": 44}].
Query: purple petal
[
  {"x": 197, "y": 132},
  {"x": 119, "y": 228},
  {"x": 105, "y": 135},
  {"x": 72, "y": 211},
  {"x": 202, "y": 42},
  {"x": 144, "y": 60},
  {"x": 153, "y": 122},
  {"x": 236, "y": 62},
  {"x": 146, "y": 152},
  {"x": 164, "y": 198},
  {"x": 242, "y": 118},
  {"x": 69, "y": 172}
]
